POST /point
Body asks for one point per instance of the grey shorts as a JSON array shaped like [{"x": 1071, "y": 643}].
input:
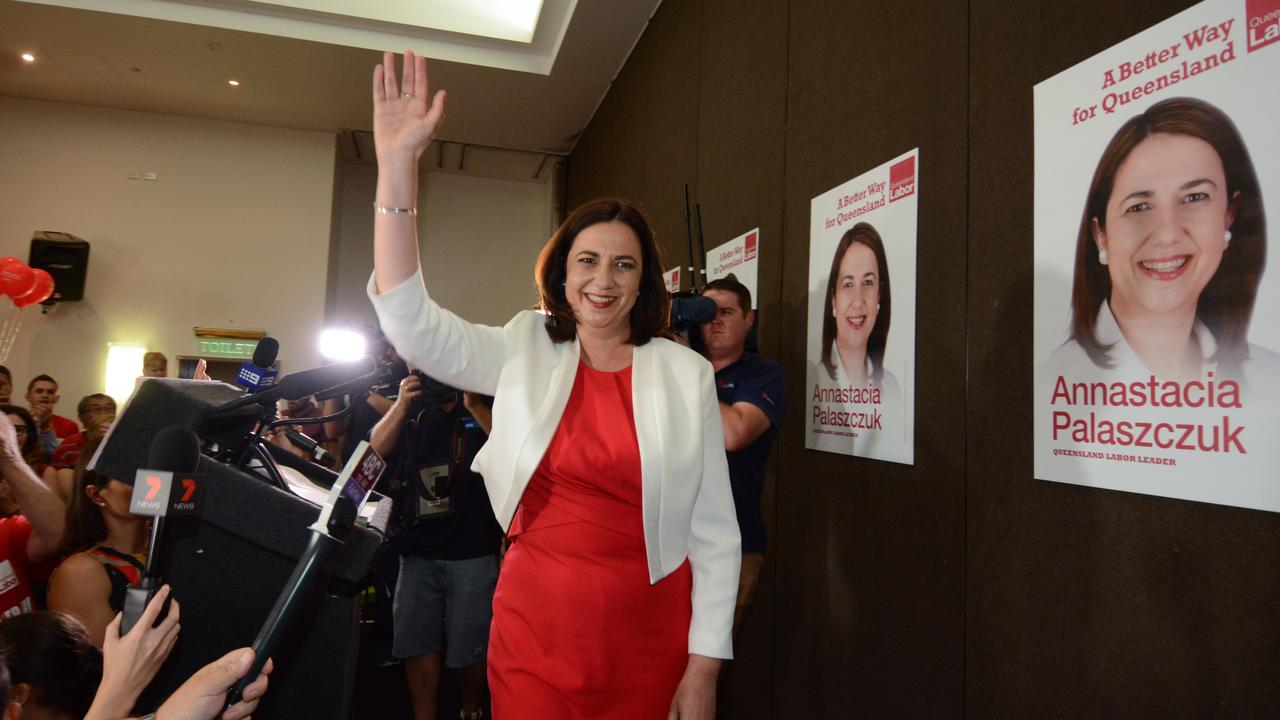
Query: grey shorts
[{"x": 444, "y": 605}]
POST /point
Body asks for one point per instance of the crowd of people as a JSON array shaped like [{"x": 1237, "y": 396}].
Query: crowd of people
[
  {"x": 577, "y": 528},
  {"x": 69, "y": 548}
]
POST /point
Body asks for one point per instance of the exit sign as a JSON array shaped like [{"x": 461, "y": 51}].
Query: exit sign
[{"x": 226, "y": 348}]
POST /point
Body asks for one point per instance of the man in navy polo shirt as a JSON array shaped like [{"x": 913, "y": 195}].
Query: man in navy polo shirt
[{"x": 752, "y": 403}]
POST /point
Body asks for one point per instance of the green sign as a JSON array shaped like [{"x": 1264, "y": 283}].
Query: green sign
[{"x": 226, "y": 348}]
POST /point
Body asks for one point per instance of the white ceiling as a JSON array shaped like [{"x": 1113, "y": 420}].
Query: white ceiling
[{"x": 165, "y": 66}]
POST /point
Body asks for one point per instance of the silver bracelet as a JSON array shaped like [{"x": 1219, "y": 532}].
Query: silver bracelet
[{"x": 384, "y": 210}]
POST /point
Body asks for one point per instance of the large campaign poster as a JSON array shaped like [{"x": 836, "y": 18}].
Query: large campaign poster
[
  {"x": 860, "y": 381},
  {"x": 739, "y": 257},
  {"x": 1157, "y": 318}
]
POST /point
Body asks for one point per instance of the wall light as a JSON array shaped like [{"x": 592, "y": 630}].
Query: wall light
[
  {"x": 340, "y": 344},
  {"x": 28, "y": 57},
  {"x": 124, "y": 365},
  {"x": 234, "y": 83}
]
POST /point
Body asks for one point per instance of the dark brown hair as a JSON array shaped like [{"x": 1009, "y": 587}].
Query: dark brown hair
[
  {"x": 862, "y": 234},
  {"x": 32, "y": 450},
  {"x": 51, "y": 652},
  {"x": 85, "y": 524},
  {"x": 1226, "y": 303},
  {"x": 652, "y": 311},
  {"x": 42, "y": 378},
  {"x": 730, "y": 283}
]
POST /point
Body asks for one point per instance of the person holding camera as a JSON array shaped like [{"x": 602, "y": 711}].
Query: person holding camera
[
  {"x": 448, "y": 539},
  {"x": 752, "y": 394}
]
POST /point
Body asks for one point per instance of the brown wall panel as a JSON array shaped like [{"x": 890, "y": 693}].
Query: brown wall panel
[
  {"x": 1083, "y": 602},
  {"x": 871, "y": 553},
  {"x": 741, "y": 156},
  {"x": 643, "y": 142}
]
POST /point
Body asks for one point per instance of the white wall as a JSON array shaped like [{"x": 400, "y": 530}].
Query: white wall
[
  {"x": 235, "y": 233},
  {"x": 479, "y": 239}
]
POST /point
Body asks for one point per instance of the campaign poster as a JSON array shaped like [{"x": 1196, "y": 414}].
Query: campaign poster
[
  {"x": 671, "y": 279},
  {"x": 739, "y": 256},
  {"x": 1157, "y": 165},
  {"x": 860, "y": 380}
]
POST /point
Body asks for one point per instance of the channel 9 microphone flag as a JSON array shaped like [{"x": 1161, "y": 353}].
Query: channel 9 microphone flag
[
  {"x": 861, "y": 351},
  {"x": 1157, "y": 177}
]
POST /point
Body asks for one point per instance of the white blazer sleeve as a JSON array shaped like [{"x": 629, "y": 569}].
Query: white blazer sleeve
[
  {"x": 446, "y": 347},
  {"x": 715, "y": 542}
]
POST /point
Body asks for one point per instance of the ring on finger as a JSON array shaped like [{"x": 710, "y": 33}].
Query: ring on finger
[{"x": 406, "y": 95}]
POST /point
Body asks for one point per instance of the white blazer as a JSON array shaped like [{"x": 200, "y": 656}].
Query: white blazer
[{"x": 687, "y": 504}]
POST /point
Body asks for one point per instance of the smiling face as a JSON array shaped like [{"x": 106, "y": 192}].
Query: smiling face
[
  {"x": 602, "y": 278},
  {"x": 856, "y": 301},
  {"x": 1165, "y": 225}
]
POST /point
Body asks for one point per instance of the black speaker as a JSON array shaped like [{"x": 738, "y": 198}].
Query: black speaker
[
  {"x": 66, "y": 258},
  {"x": 228, "y": 564}
]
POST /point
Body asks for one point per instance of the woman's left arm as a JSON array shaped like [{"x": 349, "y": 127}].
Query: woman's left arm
[{"x": 715, "y": 556}]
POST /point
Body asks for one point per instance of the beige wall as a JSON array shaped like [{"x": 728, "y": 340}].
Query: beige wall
[
  {"x": 246, "y": 226},
  {"x": 479, "y": 238},
  {"x": 234, "y": 233}
]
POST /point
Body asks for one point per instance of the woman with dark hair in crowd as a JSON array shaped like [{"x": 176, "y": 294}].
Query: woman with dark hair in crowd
[
  {"x": 32, "y": 451},
  {"x": 1169, "y": 253},
  {"x": 606, "y": 458},
  {"x": 54, "y": 669},
  {"x": 105, "y": 547}
]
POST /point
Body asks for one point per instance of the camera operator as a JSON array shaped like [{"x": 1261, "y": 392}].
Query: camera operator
[
  {"x": 448, "y": 540},
  {"x": 752, "y": 398}
]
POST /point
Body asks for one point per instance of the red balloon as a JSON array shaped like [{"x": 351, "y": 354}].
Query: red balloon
[
  {"x": 40, "y": 291},
  {"x": 6, "y": 262},
  {"x": 16, "y": 279}
]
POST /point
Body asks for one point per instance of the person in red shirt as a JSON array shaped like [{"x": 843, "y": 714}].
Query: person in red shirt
[
  {"x": 42, "y": 395},
  {"x": 96, "y": 412},
  {"x": 31, "y": 537}
]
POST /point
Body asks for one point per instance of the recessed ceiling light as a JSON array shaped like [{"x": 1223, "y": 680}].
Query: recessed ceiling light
[
  {"x": 234, "y": 83},
  {"x": 28, "y": 57}
]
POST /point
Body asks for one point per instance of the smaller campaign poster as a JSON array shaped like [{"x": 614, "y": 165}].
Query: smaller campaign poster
[
  {"x": 860, "y": 381},
  {"x": 672, "y": 279},
  {"x": 1157, "y": 348},
  {"x": 739, "y": 256}
]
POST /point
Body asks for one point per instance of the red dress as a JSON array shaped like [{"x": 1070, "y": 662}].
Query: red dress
[{"x": 578, "y": 631}]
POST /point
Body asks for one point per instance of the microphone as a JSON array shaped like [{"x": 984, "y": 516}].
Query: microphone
[
  {"x": 303, "y": 384},
  {"x": 257, "y": 374},
  {"x": 311, "y": 446},
  {"x": 340, "y": 509},
  {"x": 174, "y": 455},
  {"x": 389, "y": 374},
  {"x": 313, "y": 472}
]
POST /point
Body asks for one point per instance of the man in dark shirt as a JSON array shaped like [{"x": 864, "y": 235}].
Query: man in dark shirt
[
  {"x": 450, "y": 539},
  {"x": 752, "y": 402}
]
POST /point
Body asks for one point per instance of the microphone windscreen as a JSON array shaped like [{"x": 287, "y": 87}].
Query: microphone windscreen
[
  {"x": 309, "y": 382},
  {"x": 264, "y": 356},
  {"x": 175, "y": 449}
]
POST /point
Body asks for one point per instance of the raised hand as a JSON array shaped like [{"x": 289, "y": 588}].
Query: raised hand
[
  {"x": 403, "y": 122},
  {"x": 10, "y": 449}
]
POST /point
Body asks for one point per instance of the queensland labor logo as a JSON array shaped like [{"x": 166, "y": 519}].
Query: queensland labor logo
[{"x": 902, "y": 179}]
